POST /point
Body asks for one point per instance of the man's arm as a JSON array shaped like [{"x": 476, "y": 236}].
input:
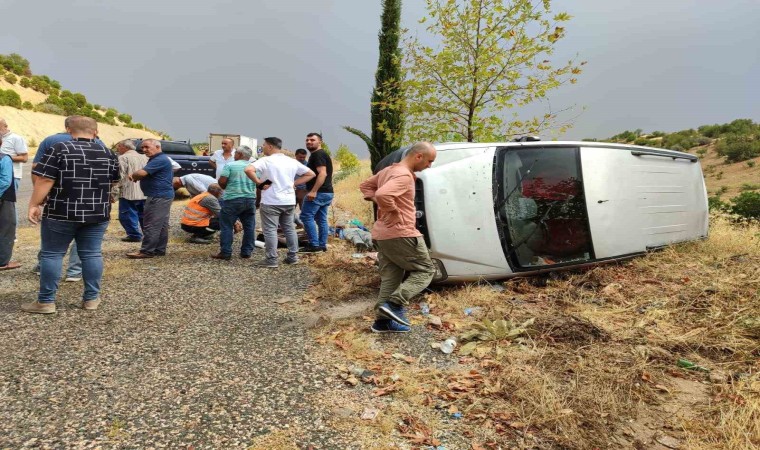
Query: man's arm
[
  {"x": 139, "y": 175},
  {"x": 223, "y": 182},
  {"x": 211, "y": 161},
  {"x": 22, "y": 153},
  {"x": 308, "y": 176},
  {"x": 41, "y": 190},
  {"x": 386, "y": 195},
  {"x": 212, "y": 204},
  {"x": 368, "y": 188},
  {"x": 321, "y": 177},
  {"x": 250, "y": 171}
]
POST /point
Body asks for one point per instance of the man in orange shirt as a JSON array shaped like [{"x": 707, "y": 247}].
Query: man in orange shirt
[{"x": 401, "y": 248}]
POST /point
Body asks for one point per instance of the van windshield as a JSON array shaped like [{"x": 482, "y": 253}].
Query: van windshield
[{"x": 541, "y": 206}]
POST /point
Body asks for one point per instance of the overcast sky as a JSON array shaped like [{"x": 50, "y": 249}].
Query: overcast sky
[{"x": 285, "y": 67}]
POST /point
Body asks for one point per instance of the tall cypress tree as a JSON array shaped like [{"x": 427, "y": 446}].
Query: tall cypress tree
[{"x": 386, "y": 108}]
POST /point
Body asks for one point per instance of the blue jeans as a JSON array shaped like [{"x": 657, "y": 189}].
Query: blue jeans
[
  {"x": 243, "y": 209},
  {"x": 313, "y": 215},
  {"x": 56, "y": 237},
  {"x": 131, "y": 217},
  {"x": 74, "y": 270}
]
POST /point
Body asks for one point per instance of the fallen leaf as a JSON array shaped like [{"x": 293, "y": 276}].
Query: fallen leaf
[{"x": 662, "y": 388}]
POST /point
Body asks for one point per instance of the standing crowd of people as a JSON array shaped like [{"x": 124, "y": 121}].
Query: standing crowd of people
[{"x": 76, "y": 179}]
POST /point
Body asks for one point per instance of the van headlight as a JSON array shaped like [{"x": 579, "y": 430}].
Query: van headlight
[{"x": 440, "y": 271}]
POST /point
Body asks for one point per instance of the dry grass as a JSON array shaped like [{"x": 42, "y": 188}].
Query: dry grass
[
  {"x": 339, "y": 276},
  {"x": 349, "y": 201},
  {"x": 598, "y": 369}
]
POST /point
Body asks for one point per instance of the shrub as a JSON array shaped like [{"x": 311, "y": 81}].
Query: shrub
[
  {"x": 736, "y": 147},
  {"x": 747, "y": 204},
  {"x": 750, "y": 187},
  {"x": 750, "y": 164},
  {"x": 701, "y": 152},
  {"x": 702, "y": 140},
  {"x": 32, "y": 143},
  {"x": 27, "y": 105},
  {"x": 24, "y": 82},
  {"x": 125, "y": 118},
  {"x": 719, "y": 176},
  {"x": 10, "y": 98},
  {"x": 716, "y": 204},
  {"x": 110, "y": 112},
  {"x": 11, "y": 78},
  {"x": 96, "y": 106},
  {"x": 50, "y": 108},
  {"x": 642, "y": 141},
  {"x": 657, "y": 134},
  {"x": 723, "y": 189}
]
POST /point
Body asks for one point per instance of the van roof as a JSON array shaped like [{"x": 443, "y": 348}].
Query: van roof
[{"x": 443, "y": 146}]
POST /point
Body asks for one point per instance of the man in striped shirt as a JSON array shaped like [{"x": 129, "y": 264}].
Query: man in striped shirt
[{"x": 131, "y": 197}]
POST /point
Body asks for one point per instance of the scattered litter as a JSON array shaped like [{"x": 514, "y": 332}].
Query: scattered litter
[
  {"x": 435, "y": 345},
  {"x": 259, "y": 244},
  {"x": 435, "y": 321},
  {"x": 370, "y": 414},
  {"x": 352, "y": 380},
  {"x": 448, "y": 345},
  {"x": 686, "y": 364},
  {"x": 358, "y": 371},
  {"x": 498, "y": 287},
  {"x": 456, "y": 415},
  {"x": 424, "y": 308},
  {"x": 358, "y": 255},
  {"x": 280, "y": 301},
  {"x": 472, "y": 311},
  {"x": 403, "y": 357}
]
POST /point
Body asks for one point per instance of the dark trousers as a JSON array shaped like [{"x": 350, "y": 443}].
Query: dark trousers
[
  {"x": 7, "y": 230},
  {"x": 156, "y": 225},
  {"x": 131, "y": 216},
  {"x": 213, "y": 227}
]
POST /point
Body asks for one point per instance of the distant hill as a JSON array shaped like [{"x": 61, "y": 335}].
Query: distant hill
[
  {"x": 35, "y": 106},
  {"x": 729, "y": 153}
]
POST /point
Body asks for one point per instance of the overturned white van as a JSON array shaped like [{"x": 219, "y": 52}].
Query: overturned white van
[{"x": 494, "y": 211}]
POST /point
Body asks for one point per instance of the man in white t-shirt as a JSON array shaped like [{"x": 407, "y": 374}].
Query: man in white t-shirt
[
  {"x": 223, "y": 156},
  {"x": 14, "y": 146},
  {"x": 279, "y": 175}
]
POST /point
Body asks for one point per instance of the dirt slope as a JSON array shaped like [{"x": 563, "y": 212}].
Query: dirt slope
[{"x": 35, "y": 126}]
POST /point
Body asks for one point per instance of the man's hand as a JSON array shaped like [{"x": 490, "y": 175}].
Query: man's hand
[
  {"x": 129, "y": 177},
  {"x": 35, "y": 214},
  {"x": 311, "y": 196},
  {"x": 238, "y": 227}
]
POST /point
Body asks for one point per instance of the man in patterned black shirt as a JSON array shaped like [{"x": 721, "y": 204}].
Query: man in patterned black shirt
[{"x": 76, "y": 178}]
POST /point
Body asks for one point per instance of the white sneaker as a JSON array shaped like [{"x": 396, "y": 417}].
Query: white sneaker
[{"x": 73, "y": 279}]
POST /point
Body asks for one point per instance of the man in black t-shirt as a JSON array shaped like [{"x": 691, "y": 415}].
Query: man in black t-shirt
[{"x": 319, "y": 197}]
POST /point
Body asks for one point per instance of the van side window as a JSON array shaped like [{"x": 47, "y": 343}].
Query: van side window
[{"x": 542, "y": 207}]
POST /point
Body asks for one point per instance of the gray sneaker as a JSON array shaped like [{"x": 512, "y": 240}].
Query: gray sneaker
[
  {"x": 291, "y": 262},
  {"x": 267, "y": 264}
]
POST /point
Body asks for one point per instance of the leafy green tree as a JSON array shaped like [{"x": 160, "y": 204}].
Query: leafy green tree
[
  {"x": 493, "y": 57},
  {"x": 387, "y": 105},
  {"x": 348, "y": 161}
]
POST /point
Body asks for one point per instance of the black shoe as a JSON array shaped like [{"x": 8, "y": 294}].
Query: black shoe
[
  {"x": 245, "y": 256},
  {"x": 131, "y": 239},
  {"x": 222, "y": 257},
  {"x": 310, "y": 249}
]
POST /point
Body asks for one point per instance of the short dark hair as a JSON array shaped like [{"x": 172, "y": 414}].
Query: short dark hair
[
  {"x": 301, "y": 151},
  {"x": 274, "y": 142},
  {"x": 315, "y": 134}
]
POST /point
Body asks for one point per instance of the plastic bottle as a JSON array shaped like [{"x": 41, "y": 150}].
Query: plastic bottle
[
  {"x": 448, "y": 345},
  {"x": 425, "y": 308}
]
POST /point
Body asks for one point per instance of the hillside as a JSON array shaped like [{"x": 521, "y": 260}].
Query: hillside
[
  {"x": 35, "y": 126},
  {"x": 35, "y": 106}
]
